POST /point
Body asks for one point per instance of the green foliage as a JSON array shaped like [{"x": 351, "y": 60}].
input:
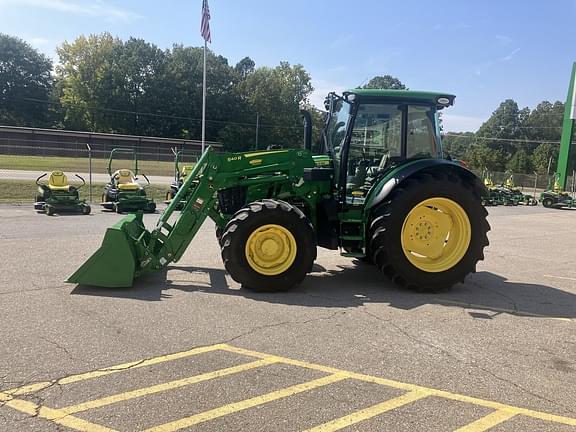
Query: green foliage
[
  {"x": 545, "y": 158},
  {"x": 133, "y": 87},
  {"x": 276, "y": 94},
  {"x": 520, "y": 162},
  {"x": 385, "y": 82},
  {"x": 25, "y": 84},
  {"x": 457, "y": 144},
  {"x": 481, "y": 156},
  {"x": 105, "y": 84}
]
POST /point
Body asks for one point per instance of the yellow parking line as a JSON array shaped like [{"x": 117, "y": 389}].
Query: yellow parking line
[
  {"x": 56, "y": 416},
  {"x": 248, "y": 403},
  {"x": 367, "y": 413},
  {"x": 410, "y": 387},
  {"x": 119, "y": 397},
  {"x": 111, "y": 370},
  {"x": 488, "y": 422}
]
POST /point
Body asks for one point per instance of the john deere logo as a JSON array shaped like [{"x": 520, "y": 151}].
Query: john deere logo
[{"x": 255, "y": 161}]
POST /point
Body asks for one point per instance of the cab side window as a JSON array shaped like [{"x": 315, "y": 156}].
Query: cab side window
[{"x": 421, "y": 136}]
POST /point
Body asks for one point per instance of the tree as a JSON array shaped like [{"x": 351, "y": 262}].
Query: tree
[
  {"x": 25, "y": 84},
  {"x": 545, "y": 158},
  {"x": 385, "y": 82},
  {"x": 84, "y": 76},
  {"x": 276, "y": 95},
  {"x": 456, "y": 144},
  {"x": 545, "y": 122},
  {"x": 481, "y": 157},
  {"x": 245, "y": 67},
  {"x": 520, "y": 162}
]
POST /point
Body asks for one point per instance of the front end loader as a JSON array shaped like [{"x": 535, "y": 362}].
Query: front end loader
[{"x": 378, "y": 190}]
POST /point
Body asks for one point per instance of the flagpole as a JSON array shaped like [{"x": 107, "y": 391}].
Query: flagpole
[{"x": 204, "y": 102}]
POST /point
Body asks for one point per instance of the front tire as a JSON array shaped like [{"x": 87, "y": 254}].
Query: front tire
[
  {"x": 430, "y": 233},
  {"x": 268, "y": 245}
]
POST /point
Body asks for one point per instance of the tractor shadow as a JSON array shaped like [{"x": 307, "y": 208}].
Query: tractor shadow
[{"x": 483, "y": 296}]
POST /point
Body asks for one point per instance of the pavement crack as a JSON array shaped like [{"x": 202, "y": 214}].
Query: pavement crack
[
  {"x": 283, "y": 323},
  {"x": 62, "y": 348},
  {"x": 472, "y": 363}
]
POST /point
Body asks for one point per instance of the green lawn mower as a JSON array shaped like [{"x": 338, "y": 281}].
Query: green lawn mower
[
  {"x": 492, "y": 197},
  {"x": 181, "y": 171},
  {"x": 58, "y": 196},
  {"x": 123, "y": 193},
  {"x": 555, "y": 197},
  {"x": 516, "y": 194}
]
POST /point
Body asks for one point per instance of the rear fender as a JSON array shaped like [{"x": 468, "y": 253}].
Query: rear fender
[{"x": 400, "y": 174}]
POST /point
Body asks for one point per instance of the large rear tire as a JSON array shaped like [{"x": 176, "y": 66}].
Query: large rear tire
[
  {"x": 268, "y": 245},
  {"x": 430, "y": 233}
]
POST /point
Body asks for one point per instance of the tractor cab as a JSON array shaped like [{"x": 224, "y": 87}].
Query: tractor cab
[{"x": 368, "y": 132}]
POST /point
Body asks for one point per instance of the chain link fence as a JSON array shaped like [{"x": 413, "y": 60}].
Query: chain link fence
[{"x": 27, "y": 153}]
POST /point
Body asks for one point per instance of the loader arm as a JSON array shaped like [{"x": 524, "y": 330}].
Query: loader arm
[{"x": 128, "y": 249}]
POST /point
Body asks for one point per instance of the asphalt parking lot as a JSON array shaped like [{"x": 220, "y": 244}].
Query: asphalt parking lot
[{"x": 187, "y": 349}]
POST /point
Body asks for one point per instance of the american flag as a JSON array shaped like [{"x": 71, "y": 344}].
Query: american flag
[{"x": 205, "y": 25}]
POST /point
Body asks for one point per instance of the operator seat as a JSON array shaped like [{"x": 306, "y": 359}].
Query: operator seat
[
  {"x": 58, "y": 181},
  {"x": 186, "y": 169},
  {"x": 124, "y": 179}
]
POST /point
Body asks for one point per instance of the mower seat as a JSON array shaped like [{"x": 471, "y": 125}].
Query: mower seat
[
  {"x": 124, "y": 179},
  {"x": 58, "y": 181},
  {"x": 186, "y": 169}
]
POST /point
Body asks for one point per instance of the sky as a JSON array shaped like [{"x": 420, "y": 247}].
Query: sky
[{"x": 484, "y": 52}]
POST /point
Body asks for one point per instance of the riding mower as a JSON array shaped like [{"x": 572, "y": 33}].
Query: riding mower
[
  {"x": 180, "y": 174},
  {"x": 555, "y": 197},
  {"x": 58, "y": 196},
  {"x": 123, "y": 193},
  {"x": 497, "y": 194},
  {"x": 516, "y": 194}
]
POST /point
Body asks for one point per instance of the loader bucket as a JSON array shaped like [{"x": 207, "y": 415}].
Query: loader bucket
[{"x": 115, "y": 263}]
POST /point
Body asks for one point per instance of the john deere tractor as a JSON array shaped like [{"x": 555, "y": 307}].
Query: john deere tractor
[
  {"x": 378, "y": 190},
  {"x": 59, "y": 196},
  {"x": 123, "y": 193}
]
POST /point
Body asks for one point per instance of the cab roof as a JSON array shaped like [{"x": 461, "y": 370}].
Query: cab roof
[{"x": 441, "y": 100}]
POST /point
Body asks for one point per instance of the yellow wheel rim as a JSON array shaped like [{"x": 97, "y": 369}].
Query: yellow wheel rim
[
  {"x": 270, "y": 249},
  {"x": 436, "y": 234}
]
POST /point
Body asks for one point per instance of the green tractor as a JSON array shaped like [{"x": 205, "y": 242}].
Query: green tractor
[
  {"x": 123, "y": 193},
  {"x": 379, "y": 190},
  {"x": 181, "y": 171},
  {"x": 58, "y": 196}
]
